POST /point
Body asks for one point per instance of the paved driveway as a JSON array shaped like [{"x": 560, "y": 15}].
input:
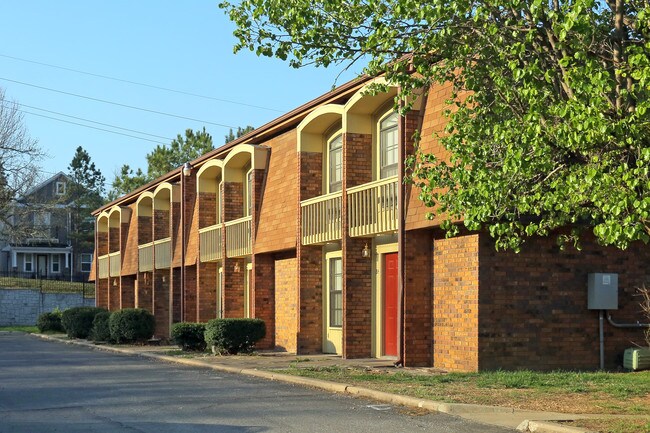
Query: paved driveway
[{"x": 51, "y": 387}]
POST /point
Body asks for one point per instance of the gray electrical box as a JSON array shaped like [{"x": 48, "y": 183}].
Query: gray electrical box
[{"x": 602, "y": 291}]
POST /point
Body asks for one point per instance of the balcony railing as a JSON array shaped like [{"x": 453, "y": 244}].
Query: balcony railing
[
  {"x": 103, "y": 265},
  {"x": 162, "y": 253},
  {"x": 372, "y": 207},
  {"x": 115, "y": 264},
  {"x": 145, "y": 257},
  {"x": 321, "y": 219},
  {"x": 210, "y": 243},
  {"x": 238, "y": 237}
]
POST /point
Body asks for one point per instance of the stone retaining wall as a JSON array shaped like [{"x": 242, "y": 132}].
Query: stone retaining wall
[{"x": 21, "y": 307}]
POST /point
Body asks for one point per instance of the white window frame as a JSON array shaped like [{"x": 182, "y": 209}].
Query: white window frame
[
  {"x": 28, "y": 259},
  {"x": 384, "y": 133},
  {"x": 60, "y": 188},
  {"x": 83, "y": 262},
  {"x": 337, "y": 140},
  {"x": 334, "y": 292},
  {"x": 55, "y": 259}
]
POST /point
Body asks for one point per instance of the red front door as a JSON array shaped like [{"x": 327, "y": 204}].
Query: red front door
[{"x": 390, "y": 304}]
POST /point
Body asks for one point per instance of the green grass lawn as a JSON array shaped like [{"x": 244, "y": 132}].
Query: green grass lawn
[
  {"x": 569, "y": 392},
  {"x": 28, "y": 329}
]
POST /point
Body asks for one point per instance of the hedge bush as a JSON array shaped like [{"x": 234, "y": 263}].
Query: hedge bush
[
  {"x": 189, "y": 336},
  {"x": 131, "y": 324},
  {"x": 78, "y": 321},
  {"x": 234, "y": 335},
  {"x": 50, "y": 322},
  {"x": 100, "y": 330}
]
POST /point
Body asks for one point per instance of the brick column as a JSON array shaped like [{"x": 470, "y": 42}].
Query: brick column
[
  {"x": 309, "y": 262},
  {"x": 206, "y": 272},
  {"x": 263, "y": 299},
  {"x": 161, "y": 285},
  {"x": 233, "y": 282},
  {"x": 357, "y": 270},
  {"x": 127, "y": 289},
  {"x": 417, "y": 311}
]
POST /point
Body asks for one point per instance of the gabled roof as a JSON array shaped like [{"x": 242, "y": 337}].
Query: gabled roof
[{"x": 43, "y": 184}]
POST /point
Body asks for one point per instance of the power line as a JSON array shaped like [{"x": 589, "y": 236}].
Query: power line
[
  {"x": 90, "y": 121},
  {"x": 140, "y": 84},
  {"x": 91, "y": 127},
  {"x": 116, "y": 103}
]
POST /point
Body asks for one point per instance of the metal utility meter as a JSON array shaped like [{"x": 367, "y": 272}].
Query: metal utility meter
[{"x": 602, "y": 291}]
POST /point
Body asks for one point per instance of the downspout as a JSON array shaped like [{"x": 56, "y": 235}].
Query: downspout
[
  {"x": 182, "y": 248},
  {"x": 400, "y": 234}
]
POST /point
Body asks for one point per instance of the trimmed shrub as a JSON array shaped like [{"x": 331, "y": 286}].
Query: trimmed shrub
[
  {"x": 78, "y": 321},
  {"x": 50, "y": 322},
  {"x": 189, "y": 336},
  {"x": 234, "y": 335},
  {"x": 101, "y": 331},
  {"x": 131, "y": 324}
]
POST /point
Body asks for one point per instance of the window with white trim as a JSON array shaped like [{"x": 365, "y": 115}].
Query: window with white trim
[
  {"x": 56, "y": 263},
  {"x": 388, "y": 142},
  {"x": 335, "y": 163},
  {"x": 86, "y": 262},
  {"x": 28, "y": 265},
  {"x": 336, "y": 292},
  {"x": 60, "y": 188}
]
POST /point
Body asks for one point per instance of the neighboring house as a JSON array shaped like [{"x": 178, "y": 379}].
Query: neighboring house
[
  {"x": 37, "y": 242},
  {"x": 305, "y": 223}
]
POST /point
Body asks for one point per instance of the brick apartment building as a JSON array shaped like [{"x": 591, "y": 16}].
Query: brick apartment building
[{"x": 304, "y": 223}]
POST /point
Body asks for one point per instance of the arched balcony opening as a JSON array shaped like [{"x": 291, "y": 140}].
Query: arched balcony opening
[{"x": 209, "y": 178}]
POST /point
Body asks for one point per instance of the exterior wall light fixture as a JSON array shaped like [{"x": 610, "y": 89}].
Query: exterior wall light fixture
[
  {"x": 365, "y": 253},
  {"x": 187, "y": 169},
  {"x": 236, "y": 269},
  {"x": 114, "y": 282}
]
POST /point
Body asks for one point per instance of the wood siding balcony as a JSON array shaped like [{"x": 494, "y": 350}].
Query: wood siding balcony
[
  {"x": 115, "y": 264},
  {"x": 321, "y": 219},
  {"x": 238, "y": 237},
  {"x": 103, "y": 266},
  {"x": 210, "y": 243},
  {"x": 145, "y": 257},
  {"x": 372, "y": 207},
  {"x": 162, "y": 253}
]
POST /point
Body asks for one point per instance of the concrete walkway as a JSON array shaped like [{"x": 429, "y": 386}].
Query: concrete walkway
[{"x": 262, "y": 365}]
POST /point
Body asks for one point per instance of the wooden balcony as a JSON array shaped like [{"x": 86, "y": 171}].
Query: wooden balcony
[
  {"x": 238, "y": 237},
  {"x": 114, "y": 264},
  {"x": 321, "y": 219},
  {"x": 210, "y": 243},
  {"x": 162, "y": 253},
  {"x": 145, "y": 257},
  {"x": 372, "y": 207},
  {"x": 103, "y": 265}
]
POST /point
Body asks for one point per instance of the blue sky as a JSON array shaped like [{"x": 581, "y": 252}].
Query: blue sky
[{"x": 184, "y": 46}]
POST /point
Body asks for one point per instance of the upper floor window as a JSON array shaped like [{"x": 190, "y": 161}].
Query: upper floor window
[
  {"x": 388, "y": 142},
  {"x": 86, "y": 262},
  {"x": 60, "y": 188},
  {"x": 335, "y": 163},
  {"x": 42, "y": 218}
]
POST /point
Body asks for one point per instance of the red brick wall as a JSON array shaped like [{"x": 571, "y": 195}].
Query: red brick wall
[
  {"x": 417, "y": 337},
  {"x": 233, "y": 296},
  {"x": 206, "y": 300},
  {"x": 263, "y": 296},
  {"x": 534, "y": 305},
  {"x": 191, "y": 299},
  {"x": 161, "y": 303},
  {"x": 101, "y": 293},
  {"x": 144, "y": 292},
  {"x": 102, "y": 243},
  {"x": 145, "y": 233},
  {"x": 176, "y": 294},
  {"x": 127, "y": 288},
  {"x": 161, "y": 224},
  {"x": 310, "y": 292},
  {"x": 114, "y": 239},
  {"x": 233, "y": 205},
  {"x": 455, "y": 303},
  {"x": 114, "y": 298},
  {"x": 286, "y": 305}
]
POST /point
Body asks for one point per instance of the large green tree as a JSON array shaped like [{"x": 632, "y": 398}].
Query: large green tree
[
  {"x": 554, "y": 130},
  {"x": 164, "y": 159},
  {"x": 84, "y": 193},
  {"x": 240, "y": 132}
]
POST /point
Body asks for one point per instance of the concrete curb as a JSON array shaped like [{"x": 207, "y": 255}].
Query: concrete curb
[
  {"x": 548, "y": 427},
  {"x": 456, "y": 409}
]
